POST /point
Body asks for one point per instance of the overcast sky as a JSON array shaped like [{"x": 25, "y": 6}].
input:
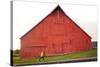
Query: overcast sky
[{"x": 27, "y": 14}]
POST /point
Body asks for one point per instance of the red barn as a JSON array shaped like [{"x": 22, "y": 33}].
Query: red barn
[{"x": 56, "y": 34}]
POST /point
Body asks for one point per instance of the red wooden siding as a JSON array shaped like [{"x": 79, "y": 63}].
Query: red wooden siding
[{"x": 56, "y": 34}]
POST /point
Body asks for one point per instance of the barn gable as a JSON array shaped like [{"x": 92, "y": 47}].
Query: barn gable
[{"x": 58, "y": 8}]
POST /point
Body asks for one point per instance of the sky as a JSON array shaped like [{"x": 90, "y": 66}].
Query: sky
[{"x": 27, "y": 14}]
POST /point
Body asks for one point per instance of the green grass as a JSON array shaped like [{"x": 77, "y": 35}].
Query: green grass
[{"x": 89, "y": 53}]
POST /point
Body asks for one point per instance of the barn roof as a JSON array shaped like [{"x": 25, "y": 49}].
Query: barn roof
[{"x": 57, "y": 7}]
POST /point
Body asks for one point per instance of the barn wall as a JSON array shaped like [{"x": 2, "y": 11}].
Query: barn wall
[{"x": 58, "y": 33}]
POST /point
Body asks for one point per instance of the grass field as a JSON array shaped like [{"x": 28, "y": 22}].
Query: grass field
[{"x": 89, "y": 53}]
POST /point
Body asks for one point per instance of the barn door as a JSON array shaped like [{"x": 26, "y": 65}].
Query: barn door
[
  {"x": 36, "y": 51},
  {"x": 40, "y": 49}
]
